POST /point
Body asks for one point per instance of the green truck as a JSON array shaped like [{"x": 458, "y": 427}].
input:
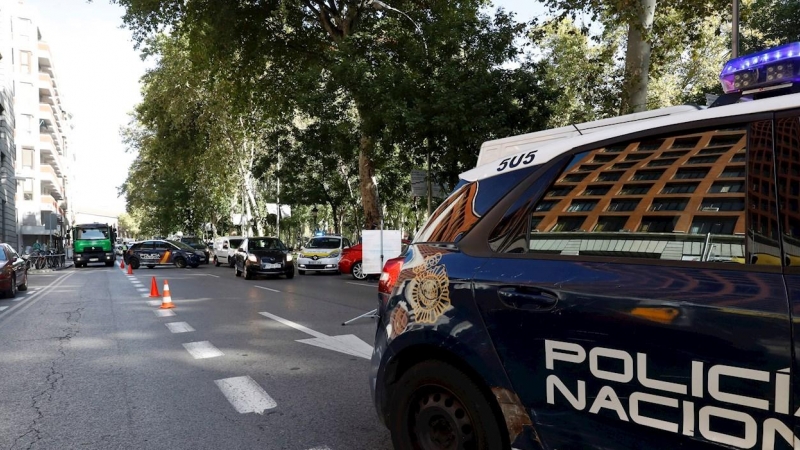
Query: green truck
[{"x": 93, "y": 243}]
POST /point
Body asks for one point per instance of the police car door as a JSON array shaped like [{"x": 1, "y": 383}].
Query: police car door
[{"x": 634, "y": 303}]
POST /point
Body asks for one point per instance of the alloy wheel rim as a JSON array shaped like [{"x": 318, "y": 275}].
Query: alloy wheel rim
[{"x": 358, "y": 271}]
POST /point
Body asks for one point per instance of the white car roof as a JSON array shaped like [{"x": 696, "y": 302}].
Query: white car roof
[{"x": 547, "y": 150}]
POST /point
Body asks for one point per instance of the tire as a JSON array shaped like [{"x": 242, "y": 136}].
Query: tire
[
  {"x": 290, "y": 275},
  {"x": 436, "y": 392},
  {"x": 247, "y": 275},
  {"x": 180, "y": 263},
  {"x": 109, "y": 263},
  {"x": 236, "y": 270},
  {"x": 150, "y": 266},
  {"x": 301, "y": 272},
  {"x": 135, "y": 264},
  {"x": 24, "y": 285},
  {"x": 358, "y": 271},
  {"x": 216, "y": 262},
  {"x": 194, "y": 266},
  {"x": 12, "y": 291}
]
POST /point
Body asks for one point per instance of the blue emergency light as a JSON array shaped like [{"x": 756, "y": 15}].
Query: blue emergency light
[{"x": 773, "y": 66}]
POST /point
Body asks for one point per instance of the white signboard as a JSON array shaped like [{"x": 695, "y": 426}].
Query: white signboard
[{"x": 371, "y": 249}]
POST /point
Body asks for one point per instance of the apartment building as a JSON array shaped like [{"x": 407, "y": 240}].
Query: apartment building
[
  {"x": 8, "y": 151},
  {"x": 41, "y": 155}
]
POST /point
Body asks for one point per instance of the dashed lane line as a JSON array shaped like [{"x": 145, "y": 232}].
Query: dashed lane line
[
  {"x": 179, "y": 327},
  {"x": 267, "y": 289},
  {"x": 202, "y": 350},
  {"x": 362, "y": 284},
  {"x": 245, "y": 395},
  {"x": 164, "y": 312},
  {"x": 154, "y": 302}
]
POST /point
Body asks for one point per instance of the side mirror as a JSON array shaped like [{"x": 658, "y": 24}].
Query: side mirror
[{"x": 224, "y": 246}]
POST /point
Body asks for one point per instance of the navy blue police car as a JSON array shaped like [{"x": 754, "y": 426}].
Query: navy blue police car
[
  {"x": 623, "y": 284},
  {"x": 157, "y": 252}
]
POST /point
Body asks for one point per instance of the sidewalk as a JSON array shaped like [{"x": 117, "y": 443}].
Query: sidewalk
[{"x": 67, "y": 264}]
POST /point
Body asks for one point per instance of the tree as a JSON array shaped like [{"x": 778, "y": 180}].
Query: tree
[
  {"x": 639, "y": 17},
  {"x": 279, "y": 51},
  {"x": 767, "y": 23}
]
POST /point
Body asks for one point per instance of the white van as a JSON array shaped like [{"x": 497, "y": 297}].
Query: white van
[{"x": 224, "y": 248}]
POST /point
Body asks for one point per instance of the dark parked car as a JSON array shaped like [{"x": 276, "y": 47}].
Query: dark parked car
[
  {"x": 158, "y": 252},
  {"x": 635, "y": 286},
  {"x": 13, "y": 271},
  {"x": 263, "y": 256},
  {"x": 197, "y": 244}
]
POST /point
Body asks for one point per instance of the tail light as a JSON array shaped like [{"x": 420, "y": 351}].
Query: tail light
[{"x": 391, "y": 271}]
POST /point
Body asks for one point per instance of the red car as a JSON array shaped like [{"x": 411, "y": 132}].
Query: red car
[{"x": 351, "y": 261}]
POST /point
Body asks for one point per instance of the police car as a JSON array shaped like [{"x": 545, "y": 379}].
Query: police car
[
  {"x": 631, "y": 286},
  {"x": 158, "y": 252}
]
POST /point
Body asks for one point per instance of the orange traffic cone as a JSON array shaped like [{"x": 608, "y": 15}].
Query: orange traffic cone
[
  {"x": 121, "y": 263},
  {"x": 130, "y": 269},
  {"x": 154, "y": 289},
  {"x": 166, "y": 300}
]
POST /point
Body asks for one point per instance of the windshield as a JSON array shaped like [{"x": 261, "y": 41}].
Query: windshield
[
  {"x": 181, "y": 245},
  {"x": 235, "y": 243},
  {"x": 192, "y": 241},
  {"x": 265, "y": 244},
  {"x": 92, "y": 233},
  {"x": 324, "y": 242}
]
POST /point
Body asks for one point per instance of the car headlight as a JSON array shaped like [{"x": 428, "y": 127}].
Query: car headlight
[
  {"x": 334, "y": 254},
  {"x": 252, "y": 258},
  {"x": 288, "y": 257}
]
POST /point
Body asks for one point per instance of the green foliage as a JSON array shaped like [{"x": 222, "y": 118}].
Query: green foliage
[{"x": 767, "y": 23}]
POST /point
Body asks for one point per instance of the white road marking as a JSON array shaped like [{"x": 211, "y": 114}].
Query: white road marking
[
  {"x": 154, "y": 302},
  {"x": 164, "y": 312},
  {"x": 347, "y": 343},
  {"x": 245, "y": 395},
  {"x": 362, "y": 284},
  {"x": 267, "y": 289},
  {"x": 320, "y": 448},
  {"x": 179, "y": 327},
  {"x": 142, "y": 289},
  {"x": 3, "y": 308},
  {"x": 145, "y": 295},
  {"x": 202, "y": 350}
]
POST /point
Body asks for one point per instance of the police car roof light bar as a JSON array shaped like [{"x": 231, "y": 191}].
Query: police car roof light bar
[{"x": 777, "y": 65}]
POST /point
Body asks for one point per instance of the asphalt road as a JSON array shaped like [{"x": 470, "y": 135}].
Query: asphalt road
[{"x": 87, "y": 362}]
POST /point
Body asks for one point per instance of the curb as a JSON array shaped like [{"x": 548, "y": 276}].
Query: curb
[{"x": 68, "y": 265}]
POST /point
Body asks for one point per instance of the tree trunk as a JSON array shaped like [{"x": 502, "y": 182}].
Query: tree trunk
[
  {"x": 637, "y": 59},
  {"x": 366, "y": 170}
]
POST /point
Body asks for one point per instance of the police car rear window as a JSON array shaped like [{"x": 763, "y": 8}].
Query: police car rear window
[{"x": 467, "y": 204}]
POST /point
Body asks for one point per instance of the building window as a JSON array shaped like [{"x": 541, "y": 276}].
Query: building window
[
  {"x": 615, "y": 148},
  {"x": 599, "y": 158},
  {"x": 609, "y": 176},
  {"x": 636, "y": 157},
  {"x": 673, "y": 154},
  {"x": 610, "y": 223},
  {"x": 661, "y": 162},
  {"x": 713, "y": 225},
  {"x": 25, "y": 58},
  {"x": 623, "y": 165},
  {"x": 568, "y": 223},
  {"x": 582, "y": 205},
  {"x": 739, "y": 157},
  {"x": 27, "y": 189},
  {"x": 589, "y": 167},
  {"x": 623, "y": 205},
  {"x": 559, "y": 191},
  {"x": 647, "y": 175},
  {"x": 685, "y": 174},
  {"x": 679, "y": 188},
  {"x": 649, "y": 146},
  {"x": 635, "y": 189},
  {"x": 722, "y": 204},
  {"x": 733, "y": 172},
  {"x": 687, "y": 142},
  {"x": 545, "y": 206},
  {"x": 596, "y": 190},
  {"x": 721, "y": 187},
  {"x": 668, "y": 204},
  {"x": 713, "y": 151},
  {"x": 726, "y": 140},
  {"x": 710, "y": 159},
  {"x": 27, "y": 158},
  {"x": 658, "y": 224},
  {"x": 575, "y": 177}
]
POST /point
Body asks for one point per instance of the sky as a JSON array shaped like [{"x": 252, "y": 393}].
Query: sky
[{"x": 98, "y": 72}]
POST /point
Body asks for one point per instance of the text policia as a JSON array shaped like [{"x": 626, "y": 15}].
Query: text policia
[{"x": 704, "y": 381}]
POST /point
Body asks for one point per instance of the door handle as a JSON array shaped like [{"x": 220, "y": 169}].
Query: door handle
[{"x": 527, "y": 298}]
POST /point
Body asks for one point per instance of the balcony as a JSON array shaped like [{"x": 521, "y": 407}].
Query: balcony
[
  {"x": 46, "y": 113},
  {"x": 49, "y": 203},
  {"x": 46, "y": 88},
  {"x": 51, "y": 182},
  {"x": 49, "y": 155},
  {"x": 44, "y": 55}
]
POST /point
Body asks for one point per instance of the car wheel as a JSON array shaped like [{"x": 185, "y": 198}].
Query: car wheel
[
  {"x": 247, "y": 275},
  {"x": 109, "y": 263},
  {"x": 194, "y": 266},
  {"x": 301, "y": 272},
  {"x": 236, "y": 270},
  {"x": 290, "y": 275},
  {"x": 12, "y": 291},
  {"x": 358, "y": 271},
  {"x": 180, "y": 263},
  {"x": 150, "y": 266},
  {"x": 134, "y": 263},
  {"x": 216, "y": 262},
  {"x": 24, "y": 285},
  {"x": 437, "y": 406}
]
